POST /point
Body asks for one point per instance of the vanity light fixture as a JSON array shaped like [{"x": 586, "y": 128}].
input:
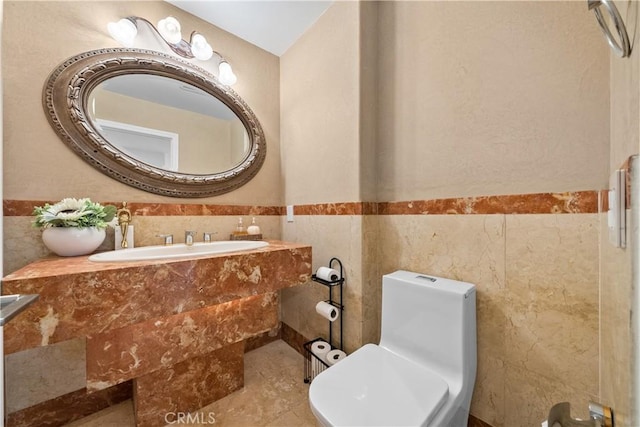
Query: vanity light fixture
[
  {"x": 169, "y": 29},
  {"x": 125, "y": 31},
  {"x": 226, "y": 75}
]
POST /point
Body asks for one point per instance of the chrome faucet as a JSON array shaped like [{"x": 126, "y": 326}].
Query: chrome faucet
[
  {"x": 206, "y": 236},
  {"x": 168, "y": 239},
  {"x": 189, "y": 237}
]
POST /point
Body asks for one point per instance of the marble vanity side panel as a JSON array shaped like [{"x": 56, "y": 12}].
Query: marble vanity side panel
[
  {"x": 122, "y": 354},
  {"x": 40, "y": 374},
  {"x": 552, "y": 309},
  {"x": 252, "y": 274},
  {"x": 461, "y": 247},
  {"x": 76, "y": 305},
  {"x": 188, "y": 386}
]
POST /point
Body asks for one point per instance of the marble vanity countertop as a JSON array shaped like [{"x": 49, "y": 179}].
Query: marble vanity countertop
[
  {"x": 79, "y": 297},
  {"x": 55, "y": 265}
]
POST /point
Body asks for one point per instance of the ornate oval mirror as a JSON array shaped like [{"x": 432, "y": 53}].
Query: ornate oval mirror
[{"x": 154, "y": 122}]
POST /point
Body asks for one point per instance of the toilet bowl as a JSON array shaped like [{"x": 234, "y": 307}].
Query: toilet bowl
[{"x": 423, "y": 371}]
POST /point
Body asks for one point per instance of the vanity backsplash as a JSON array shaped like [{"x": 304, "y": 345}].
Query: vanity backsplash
[{"x": 23, "y": 243}]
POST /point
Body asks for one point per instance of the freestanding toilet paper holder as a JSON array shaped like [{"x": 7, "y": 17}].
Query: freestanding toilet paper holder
[{"x": 313, "y": 363}]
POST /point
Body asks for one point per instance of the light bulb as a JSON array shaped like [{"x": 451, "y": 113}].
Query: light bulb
[
  {"x": 225, "y": 74},
  {"x": 124, "y": 31},
  {"x": 169, "y": 28},
  {"x": 200, "y": 48}
]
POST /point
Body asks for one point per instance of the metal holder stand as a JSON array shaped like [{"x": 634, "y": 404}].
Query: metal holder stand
[{"x": 313, "y": 364}]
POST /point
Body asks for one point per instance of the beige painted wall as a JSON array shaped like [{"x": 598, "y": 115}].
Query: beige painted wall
[
  {"x": 625, "y": 92},
  {"x": 38, "y": 165},
  {"x": 369, "y": 75},
  {"x": 482, "y": 98},
  {"x": 319, "y": 110}
]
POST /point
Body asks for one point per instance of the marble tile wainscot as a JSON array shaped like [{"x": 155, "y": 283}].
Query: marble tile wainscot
[{"x": 158, "y": 322}]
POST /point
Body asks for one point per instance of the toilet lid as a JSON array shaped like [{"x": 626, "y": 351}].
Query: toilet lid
[{"x": 374, "y": 387}]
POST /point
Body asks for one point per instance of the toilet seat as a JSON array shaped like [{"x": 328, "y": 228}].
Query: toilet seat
[{"x": 374, "y": 386}]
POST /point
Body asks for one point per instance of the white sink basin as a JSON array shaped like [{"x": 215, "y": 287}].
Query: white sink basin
[{"x": 179, "y": 250}]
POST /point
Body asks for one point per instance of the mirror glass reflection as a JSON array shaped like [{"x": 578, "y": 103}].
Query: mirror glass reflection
[{"x": 168, "y": 124}]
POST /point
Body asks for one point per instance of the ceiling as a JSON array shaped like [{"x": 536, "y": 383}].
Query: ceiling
[{"x": 272, "y": 25}]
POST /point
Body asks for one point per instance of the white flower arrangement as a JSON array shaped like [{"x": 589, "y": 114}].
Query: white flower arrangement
[{"x": 78, "y": 213}]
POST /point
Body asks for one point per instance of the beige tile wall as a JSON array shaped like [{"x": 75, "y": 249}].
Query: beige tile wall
[
  {"x": 537, "y": 279},
  {"x": 615, "y": 323},
  {"x": 330, "y": 236},
  {"x": 551, "y": 306}
]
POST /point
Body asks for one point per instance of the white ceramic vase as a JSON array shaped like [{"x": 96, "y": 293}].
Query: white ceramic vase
[{"x": 70, "y": 241}]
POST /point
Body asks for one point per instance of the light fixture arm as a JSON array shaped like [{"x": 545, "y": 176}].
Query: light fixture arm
[
  {"x": 168, "y": 30},
  {"x": 182, "y": 48}
]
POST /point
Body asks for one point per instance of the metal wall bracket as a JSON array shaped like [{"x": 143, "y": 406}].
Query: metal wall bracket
[
  {"x": 599, "y": 416},
  {"x": 602, "y": 415}
]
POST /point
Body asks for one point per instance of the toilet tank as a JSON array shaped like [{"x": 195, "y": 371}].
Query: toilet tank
[{"x": 431, "y": 321}]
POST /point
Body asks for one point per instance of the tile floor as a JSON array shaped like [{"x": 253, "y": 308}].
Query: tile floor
[{"x": 273, "y": 395}]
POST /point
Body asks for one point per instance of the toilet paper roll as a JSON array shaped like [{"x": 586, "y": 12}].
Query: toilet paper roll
[
  {"x": 327, "y": 311},
  {"x": 328, "y": 274},
  {"x": 321, "y": 349},
  {"x": 334, "y": 356}
]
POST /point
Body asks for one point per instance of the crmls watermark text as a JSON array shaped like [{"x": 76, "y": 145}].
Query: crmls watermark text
[{"x": 189, "y": 418}]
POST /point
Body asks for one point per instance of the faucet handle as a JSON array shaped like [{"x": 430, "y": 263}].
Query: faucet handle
[
  {"x": 189, "y": 237},
  {"x": 168, "y": 239},
  {"x": 206, "y": 236}
]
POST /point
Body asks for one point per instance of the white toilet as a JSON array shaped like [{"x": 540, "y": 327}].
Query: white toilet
[{"x": 423, "y": 371}]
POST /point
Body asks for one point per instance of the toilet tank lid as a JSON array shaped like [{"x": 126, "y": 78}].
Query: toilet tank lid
[{"x": 435, "y": 282}]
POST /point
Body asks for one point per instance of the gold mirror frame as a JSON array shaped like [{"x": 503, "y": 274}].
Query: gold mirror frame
[{"x": 65, "y": 97}]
